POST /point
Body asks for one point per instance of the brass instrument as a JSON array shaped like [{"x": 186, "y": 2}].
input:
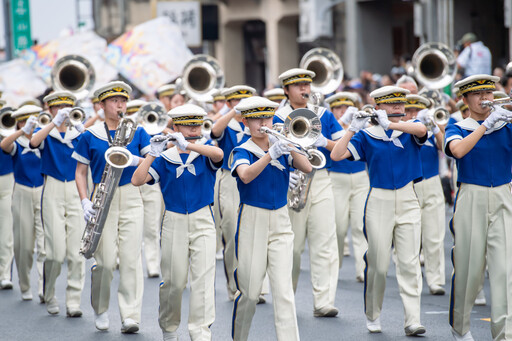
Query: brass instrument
[
  {"x": 201, "y": 76},
  {"x": 439, "y": 116},
  {"x": 499, "y": 102},
  {"x": 327, "y": 67},
  {"x": 7, "y": 122},
  {"x": 43, "y": 119},
  {"x": 73, "y": 73},
  {"x": 76, "y": 116},
  {"x": 118, "y": 158},
  {"x": 434, "y": 65},
  {"x": 206, "y": 128},
  {"x": 168, "y": 137},
  {"x": 153, "y": 118}
]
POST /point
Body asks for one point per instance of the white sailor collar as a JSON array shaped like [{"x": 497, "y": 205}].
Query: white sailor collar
[
  {"x": 69, "y": 135},
  {"x": 252, "y": 147},
  {"x": 471, "y": 125},
  {"x": 173, "y": 156},
  {"x": 99, "y": 131},
  {"x": 287, "y": 109},
  {"x": 25, "y": 143},
  {"x": 377, "y": 132}
]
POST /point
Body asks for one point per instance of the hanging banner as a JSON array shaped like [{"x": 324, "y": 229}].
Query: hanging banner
[
  {"x": 20, "y": 19},
  {"x": 19, "y": 82}
]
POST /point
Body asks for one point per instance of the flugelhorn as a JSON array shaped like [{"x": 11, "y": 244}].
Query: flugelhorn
[
  {"x": 153, "y": 118},
  {"x": 434, "y": 65},
  {"x": 73, "y": 73},
  {"x": 7, "y": 122}
]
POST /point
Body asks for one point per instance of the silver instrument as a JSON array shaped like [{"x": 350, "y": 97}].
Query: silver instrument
[
  {"x": 438, "y": 115},
  {"x": 434, "y": 65},
  {"x": 43, "y": 119},
  {"x": 201, "y": 76},
  {"x": 118, "y": 158},
  {"x": 168, "y": 137},
  {"x": 76, "y": 116},
  {"x": 7, "y": 122},
  {"x": 153, "y": 118},
  {"x": 500, "y": 102},
  {"x": 73, "y": 73},
  {"x": 327, "y": 67},
  {"x": 206, "y": 128}
]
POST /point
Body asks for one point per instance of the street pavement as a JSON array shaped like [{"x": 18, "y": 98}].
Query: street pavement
[{"x": 21, "y": 320}]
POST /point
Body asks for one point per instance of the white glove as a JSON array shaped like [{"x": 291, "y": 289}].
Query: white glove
[
  {"x": 29, "y": 125},
  {"x": 496, "y": 115},
  {"x": 179, "y": 141},
  {"x": 321, "y": 141},
  {"x": 294, "y": 180},
  {"x": 101, "y": 114},
  {"x": 272, "y": 139},
  {"x": 348, "y": 115},
  {"x": 158, "y": 145},
  {"x": 278, "y": 149},
  {"x": 135, "y": 161},
  {"x": 423, "y": 117},
  {"x": 61, "y": 116},
  {"x": 89, "y": 211},
  {"x": 358, "y": 123},
  {"x": 382, "y": 118},
  {"x": 79, "y": 127},
  {"x": 224, "y": 110}
]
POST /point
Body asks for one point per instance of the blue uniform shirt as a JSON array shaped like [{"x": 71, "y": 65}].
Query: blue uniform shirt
[
  {"x": 56, "y": 150},
  {"x": 234, "y": 135},
  {"x": 490, "y": 161},
  {"x": 94, "y": 143},
  {"x": 6, "y": 164},
  {"x": 389, "y": 166},
  {"x": 269, "y": 189},
  {"x": 331, "y": 129},
  {"x": 429, "y": 158},
  {"x": 27, "y": 164},
  {"x": 347, "y": 166},
  {"x": 186, "y": 180}
]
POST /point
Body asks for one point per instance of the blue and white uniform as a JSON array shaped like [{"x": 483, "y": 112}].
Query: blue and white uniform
[
  {"x": 316, "y": 221},
  {"x": 188, "y": 239},
  {"x": 26, "y": 211},
  {"x": 480, "y": 225},
  {"x": 122, "y": 233},
  {"x": 392, "y": 216},
  {"x": 6, "y": 242},
  {"x": 62, "y": 215},
  {"x": 264, "y": 243}
]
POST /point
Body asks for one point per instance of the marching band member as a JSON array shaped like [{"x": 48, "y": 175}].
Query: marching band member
[
  {"x": 316, "y": 220},
  {"x": 169, "y": 97},
  {"x": 483, "y": 208},
  {"x": 229, "y": 132},
  {"x": 98, "y": 116},
  {"x": 392, "y": 213},
  {"x": 264, "y": 233},
  {"x": 219, "y": 102},
  {"x": 430, "y": 196},
  {"x": 6, "y": 223},
  {"x": 275, "y": 95},
  {"x": 350, "y": 186},
  {"x": 188, "y": 229},
  {"x": 26, "y": 199},
  {"x": 60, "y": 205},
  {"x": 133, "y": 106},
  {"x": 122, "y": 232}
]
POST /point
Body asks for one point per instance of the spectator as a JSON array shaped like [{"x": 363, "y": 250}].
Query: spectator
[{"x": 475, "y": 58}]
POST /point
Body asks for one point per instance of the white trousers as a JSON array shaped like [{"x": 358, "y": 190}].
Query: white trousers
[
  {"x": 28, "y": 229},
  {"x": 229, "y": 200},
  {"x": 216, "y": 211},
  {"x": 393, "y": 216},
  {"x": 6, "y": 241},
  {"x": 481, "y": 228},
  {"x": 121, "y": 236},
  {"x": 153, "y": 210},
  {"x": 431, "y": 199},
  {"x": 265, "y": 240},
  {"x": 63, "y": 224},
  {"x": 316, "y": 223},
  {"x": 188, "y": 242},
  {"x": 350, "y": 191}
]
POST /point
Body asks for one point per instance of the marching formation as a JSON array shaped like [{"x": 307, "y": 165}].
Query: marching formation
[{"x": 208, "y": 169}]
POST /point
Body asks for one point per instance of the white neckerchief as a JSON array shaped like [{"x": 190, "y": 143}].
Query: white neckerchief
[
  {"x": 69, "y": 135},
  {"x": 173, "y": 156},
  {"x": 377, "y": 132},
  {"x": 471, "y": 125},
  {"x": 25, "y": 143},
  {"x": 287, "y": 109},
  {"x": 427, "y": 142},
  {"x": 235, "y": 125},
  {"x": 256, "y": 150}
]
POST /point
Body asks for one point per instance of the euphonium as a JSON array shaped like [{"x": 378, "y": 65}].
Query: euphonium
[
  {"x": 7, "y": 122},
  {"x": 201, "y": 75},
  {"x": 118, "y": 158},
  {"x": 434, "y": 65}
]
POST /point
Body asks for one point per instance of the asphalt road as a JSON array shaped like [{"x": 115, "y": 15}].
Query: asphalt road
[{"x": 29, "y": 320}]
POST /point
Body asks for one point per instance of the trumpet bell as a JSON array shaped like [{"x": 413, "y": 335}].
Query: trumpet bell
[
  {"x": 7, "y": 122},
  {"x": 118, "y": 157},
  {"x": 153, "y": 118},
  {"x": 201, "y": 75},
  {"x": 206, "y": 128},
  {"x": 316, "y": 158},
  {"x": 76, "y": 116},
  {"x": 434, "y": 65},
  {"x": 441, "y": 116},
  {"x": 73, "y": 73},
  {"x": 327, "y": 67},
  {"x": 44, "y": 119},
  {"x": 302, "y": 126}
]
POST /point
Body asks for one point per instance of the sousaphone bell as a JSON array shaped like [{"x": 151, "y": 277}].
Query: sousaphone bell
[{"x": 75, "y": 74}]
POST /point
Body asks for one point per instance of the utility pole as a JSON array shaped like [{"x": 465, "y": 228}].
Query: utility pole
[{"x": 7, "y": 29}]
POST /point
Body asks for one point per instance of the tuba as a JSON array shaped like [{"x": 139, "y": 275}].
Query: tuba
[
  {"x": 327, "y": 67},
  {"x": 73, "y": 73},
  {"x": 201, "y": 75},
  {"x": 434, "y": 65},
  {"x": 7, "y": 122},
  {"x": 153, "y": 118},
  {"x": 118, "y": 158}
]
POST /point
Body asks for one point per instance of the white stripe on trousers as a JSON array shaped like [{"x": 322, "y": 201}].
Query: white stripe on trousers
[
  {"x": 6, "y": 242},
  {"x": 153, "y": 212}
]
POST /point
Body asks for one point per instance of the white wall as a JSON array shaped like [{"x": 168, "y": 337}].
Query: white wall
[{"x": 48, "y": 18}]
